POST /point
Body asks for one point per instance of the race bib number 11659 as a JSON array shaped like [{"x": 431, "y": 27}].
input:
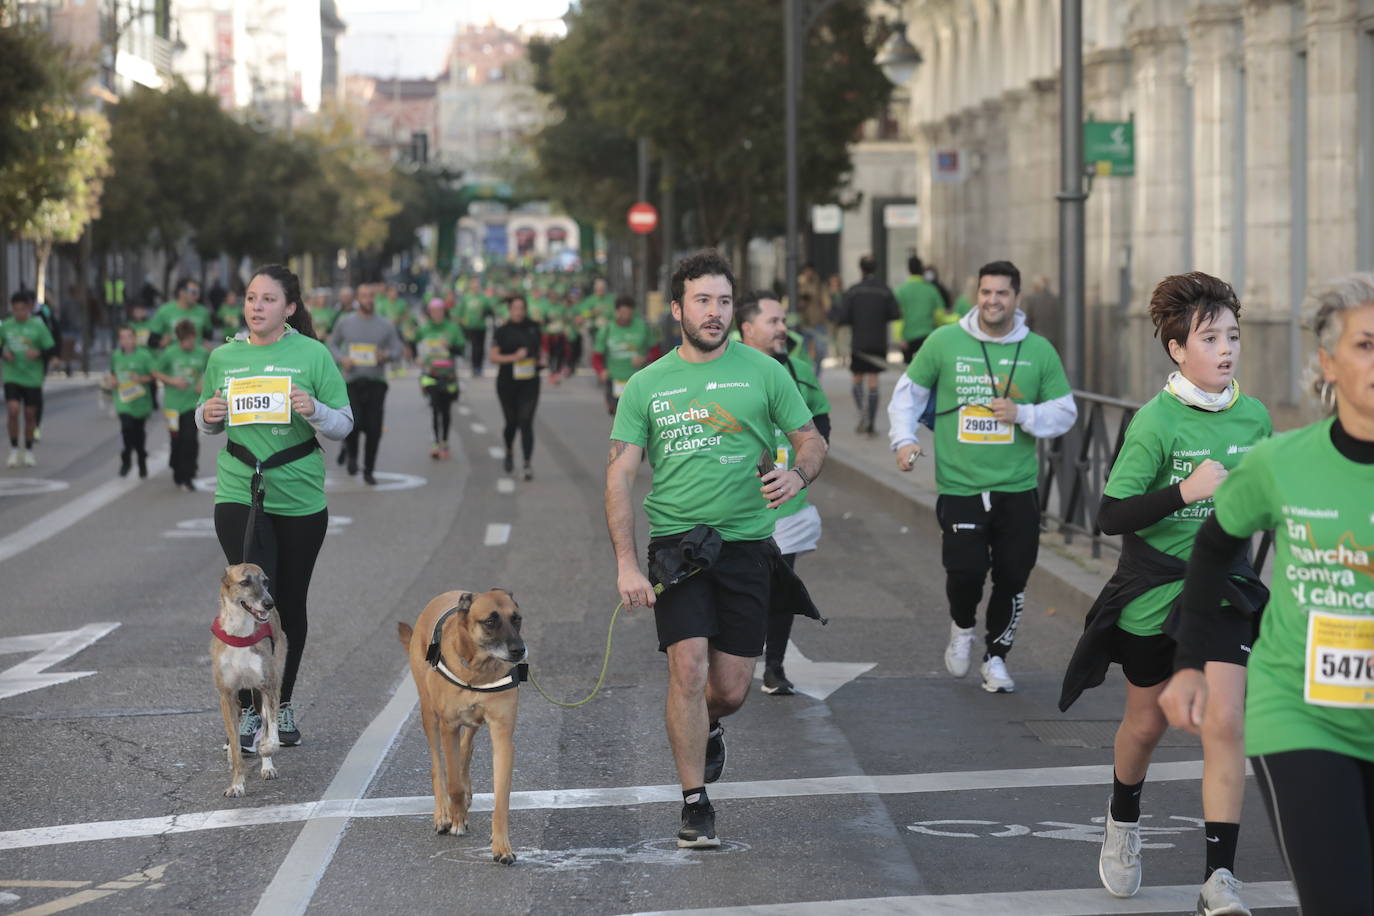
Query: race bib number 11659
[{"x": 260, "y": 399}]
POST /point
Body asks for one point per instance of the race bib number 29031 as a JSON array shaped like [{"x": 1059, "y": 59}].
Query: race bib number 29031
[
  {"x": 1340, "y": 660},
  {"x": 260, "y": 399},
  {"x": 979, "y": 426}
]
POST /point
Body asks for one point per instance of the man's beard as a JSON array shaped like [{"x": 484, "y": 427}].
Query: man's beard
[{"x": 691, "y": 335}]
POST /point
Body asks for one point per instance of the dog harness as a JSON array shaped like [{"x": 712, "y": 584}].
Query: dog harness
[
  {"x": 261, "y": 632},
  {"x": 435, "y": 656},
  {"x": 258, "y": 486}
]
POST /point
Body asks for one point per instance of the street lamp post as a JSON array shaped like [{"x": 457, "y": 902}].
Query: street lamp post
[{"x": 898, "y": 60}]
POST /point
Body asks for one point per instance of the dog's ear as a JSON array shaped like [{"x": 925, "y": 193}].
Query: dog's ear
[
  {"x": 465, "y": 603},
  {"x": 510, "y": 594},
  {"x": 226, "y": 580}
]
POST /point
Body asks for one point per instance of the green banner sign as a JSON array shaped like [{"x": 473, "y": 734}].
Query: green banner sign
[{"x": 1109, "y": 147}]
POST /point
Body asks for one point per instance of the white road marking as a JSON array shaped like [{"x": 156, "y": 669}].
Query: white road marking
[
  {"x": 464, "y": 410},
  {"x": 63, "y": 517},
  {"x": 1086, "y": 902},
  {"x": 505, "y": 485},
  {"x": 144, "y": 878},
  {"x": 896, "y": 784},
  {"x": 478, "y": 428},
  {"x": 205, "y": 527},
  {"x": 50, "y": 649},
  {"x": 816, "y": 679},
  {"x": 300, "y": 872},
  {"x": 30, "y": 486},
  {"x": 496, "y": 451},
  {"x": 497, "y": 533}
]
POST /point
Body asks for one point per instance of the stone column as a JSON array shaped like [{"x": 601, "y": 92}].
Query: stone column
[
  {"x": 1332, "y": 137},
  {"x": 1021, "y": 174},
  {"x": 992, "y": 171},
  {"x": 1162, "y": 209},
  {"x": 1042, "y": 214},
  {"x": 1214, "y": 43}
]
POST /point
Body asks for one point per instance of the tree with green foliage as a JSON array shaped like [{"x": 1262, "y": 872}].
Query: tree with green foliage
[{"x": 703, "y": 83}]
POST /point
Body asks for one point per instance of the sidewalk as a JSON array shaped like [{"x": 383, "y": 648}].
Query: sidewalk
[{"x": 1066, "y": 577}]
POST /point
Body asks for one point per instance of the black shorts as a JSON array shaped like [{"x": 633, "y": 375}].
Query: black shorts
[
  {"x": 866, "y": 362},
  {"x": 727, "y": 604},
  {"x": 1149, "y": 660},
  {"x": 29, "y": 397}
]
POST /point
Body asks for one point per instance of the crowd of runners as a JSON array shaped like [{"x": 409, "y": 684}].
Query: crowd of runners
[{"x": 1283, "y": 674}]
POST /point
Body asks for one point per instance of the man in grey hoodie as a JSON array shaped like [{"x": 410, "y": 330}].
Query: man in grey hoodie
[
  {"x": 998, "y": 388},
  {"x": 363, "y": 342}
]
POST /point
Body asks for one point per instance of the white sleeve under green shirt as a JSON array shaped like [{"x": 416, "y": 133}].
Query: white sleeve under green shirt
[
  {"x": 1165, "y": 442},
  {"x": 296, "y": 488},
  {"x": 705, "y": 427},
  {"x": 1309, "y": 683}
]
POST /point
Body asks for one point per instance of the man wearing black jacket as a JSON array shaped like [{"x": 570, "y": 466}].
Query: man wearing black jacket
[{"x": 867, "y": 307}]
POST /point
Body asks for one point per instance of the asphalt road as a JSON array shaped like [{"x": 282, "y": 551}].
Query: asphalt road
[{"x": 891, "y": 789}]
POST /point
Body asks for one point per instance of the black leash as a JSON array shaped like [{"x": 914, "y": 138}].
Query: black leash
[{"x": 258, "y": 492}]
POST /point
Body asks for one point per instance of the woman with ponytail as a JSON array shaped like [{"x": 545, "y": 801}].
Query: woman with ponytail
[{"x": 272, "y": 392}]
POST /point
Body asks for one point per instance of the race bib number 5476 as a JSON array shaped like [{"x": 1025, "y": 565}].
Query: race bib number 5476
[
  {"x": 1340, "y": 660},
  {"x": 259, "y": 399}
]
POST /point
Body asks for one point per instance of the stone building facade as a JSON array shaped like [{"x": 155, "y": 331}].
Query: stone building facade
[{"x": 1254, "y": 159}]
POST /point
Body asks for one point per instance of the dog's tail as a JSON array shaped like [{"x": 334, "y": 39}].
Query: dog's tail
[{"x": 404, "y": 631}]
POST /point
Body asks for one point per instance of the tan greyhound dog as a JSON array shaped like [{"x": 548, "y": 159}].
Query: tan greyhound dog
[
  {"x": 465, "y": 655},
  {"x": 247, "y": 653}
]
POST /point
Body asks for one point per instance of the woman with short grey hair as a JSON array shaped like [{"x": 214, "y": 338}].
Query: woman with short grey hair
[{"x": 1309, "y": 726}]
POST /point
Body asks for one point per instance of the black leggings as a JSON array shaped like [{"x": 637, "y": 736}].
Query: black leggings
[
  {"x": 285, "y": 546},
  {"x": 1321, "y": 806},
  {"x": 477, "y": 348},
  {"x": 518, "y": 403},
  {"x": 989, "y": 531},
  {"x": 442, "y": 394},
  {"x": 185, "y": 448},
  {"x": 367, "y": 396},
  {"x": 134, "y": 433}
]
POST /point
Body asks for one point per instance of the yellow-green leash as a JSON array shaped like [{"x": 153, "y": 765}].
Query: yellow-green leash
[{"x": 605, "y": 661}]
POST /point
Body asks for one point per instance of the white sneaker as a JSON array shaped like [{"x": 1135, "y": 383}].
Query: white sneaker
[
  {"x": 1118, "y": 865},
  {"x": 14, "y": 459},
  {"x": 1220, "y": 896},
  {"x": 995, "y": 677},
  {"x": 959, "y": 650},
  {"x": 29, "y": 460}
]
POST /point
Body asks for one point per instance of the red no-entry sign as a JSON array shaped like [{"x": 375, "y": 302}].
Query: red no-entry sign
[{"x": 642, "y": 218}]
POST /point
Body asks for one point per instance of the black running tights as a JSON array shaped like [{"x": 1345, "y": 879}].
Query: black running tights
[
  {"x": 518, "y": 402},
  {"x": 134, "y": 434},
  {"x": 441, "y": 400},
  {"x": 1321, "y": 806},
  {"x": 285, "y": 546}
]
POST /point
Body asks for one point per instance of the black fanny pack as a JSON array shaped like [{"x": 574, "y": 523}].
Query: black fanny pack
[
  {"x": 671, "y": 561},
  {"x": 258, "y": 489}
]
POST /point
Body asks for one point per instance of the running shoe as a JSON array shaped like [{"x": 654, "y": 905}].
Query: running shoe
[
  {"x": 1220, "y": 896},
  {"x": 698, "y": 830},
  {"x": 995, "y": 677},
  {"x": 444, "y": 452},
  {"x": 29, "y": 460},
  {"x": 14, "y": 459},
  {"x": 142, "y": 465},
  {"x": 369, "y": 479},
  {"x": 776, "y": 683},
  {"x": 37, "y": 434},
  {"x": 435, "y": 451},
  {"x": 123, "y": 464},
  {"x": 960, "y": 649},
  {"x": 287, "y": 732},
  {"x": 509, "y": 463},
  {"x": 250, "y": 730},
  {"x": 1118, "y": 865},
  {"x": 715, "y": 752},
  {"x": 529, "y": 472}
]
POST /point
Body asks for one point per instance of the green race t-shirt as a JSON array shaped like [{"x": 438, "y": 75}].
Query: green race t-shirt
[
  {"x": 919, "y": 301},
  {"x": 817, "y": 403},
  {"x": 705, "y": 427},
  {"x": 132, "y": 395},
  {"x": 473, "y": 311},
  {"x": 1164, "y": 443},
  {"x": 322, "y": 319},
  {"x": 165, "y": 320},
  {"x": 142, "y": 330},
  {"x": 296, "y": 488},
  {"x": 436, "y": 344},
  {"x": 601, "y": 309},
  {"x": 973, "y": 453},
  {"x": 230, "y": 318},
  {"x": 1318, "y": 501},
  {"x": 621, "y": 346},
  {"x": 390, "y": 309},
  {"x": 18, "y": 338},
  {"x": 188, "y": 365}
]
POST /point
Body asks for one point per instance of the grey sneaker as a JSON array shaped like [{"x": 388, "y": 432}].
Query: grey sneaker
[
  {"x": 1220, "y": 896},
  {"x": 287, "y": 732},
  {"x": 995, "y": 676},
  {"x": 959, "y": 650},
  {"x": 1118, "y": 865},
  {"x": 250, "y": 730}
]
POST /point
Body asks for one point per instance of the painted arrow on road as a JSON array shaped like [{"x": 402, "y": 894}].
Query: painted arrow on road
[
  {"x": 50, "y": 649},
  {"x": 817, "y": 680}
]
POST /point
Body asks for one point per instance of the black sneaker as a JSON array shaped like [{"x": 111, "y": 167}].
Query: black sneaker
[
  {"x": 125, "y": 462},
  {"x": 343, "y": 457},
  {"x": 776, "y": 683},
  {"x": 287, "y": 732},
  {"x": 715, "y": 752},
  {"x": 369, "y": 479},
  {"x": 698, "y": 830},
  {"x": 509, "y": 463},
  {"x": 529, "y": 472}
]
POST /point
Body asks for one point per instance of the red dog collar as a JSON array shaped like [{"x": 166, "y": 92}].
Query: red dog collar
[{"x": 263, "y": 631}]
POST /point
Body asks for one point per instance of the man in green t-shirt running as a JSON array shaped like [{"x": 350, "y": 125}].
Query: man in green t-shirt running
[
  {"x": 920, "y": 303},
  {"x": 186, "y": 306},
  {"x": 621, "y": 349},
  {"x": 23, "y": 341},
  {"x": 704, "y": 415},
  {"x": 997, "y": 388}
]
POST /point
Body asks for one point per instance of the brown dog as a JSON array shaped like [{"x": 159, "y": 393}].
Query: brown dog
[
  {"x": 247, "y": 653},
  {"x": 464, "y": 653}
]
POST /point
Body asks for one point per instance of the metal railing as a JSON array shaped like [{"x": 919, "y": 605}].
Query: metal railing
[{"x": 1074, "y": 469}]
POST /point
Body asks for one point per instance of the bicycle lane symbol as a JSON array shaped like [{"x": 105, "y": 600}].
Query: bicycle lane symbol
[{"x": 1053, "y": 830}]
